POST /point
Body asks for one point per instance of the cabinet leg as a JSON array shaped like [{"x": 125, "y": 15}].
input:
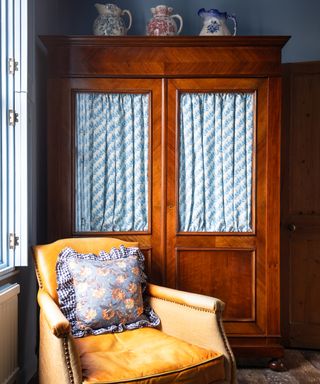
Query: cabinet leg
[{"x": 277, "y": 365}]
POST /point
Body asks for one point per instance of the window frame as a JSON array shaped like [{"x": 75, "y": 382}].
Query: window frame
[{"x": 14, "y": 115}]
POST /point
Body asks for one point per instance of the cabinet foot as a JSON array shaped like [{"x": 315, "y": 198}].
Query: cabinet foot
[{"x": 277, "y": 365}]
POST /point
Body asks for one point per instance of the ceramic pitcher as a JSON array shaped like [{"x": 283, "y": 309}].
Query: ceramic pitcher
[
  {"x": 163, "y": 23},
  {"x": 214, "y": 23},
  {"x": 109, "y": 22}
]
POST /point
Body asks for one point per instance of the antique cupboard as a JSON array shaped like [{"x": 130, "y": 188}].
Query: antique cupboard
[{"x": 175, "y": 143}]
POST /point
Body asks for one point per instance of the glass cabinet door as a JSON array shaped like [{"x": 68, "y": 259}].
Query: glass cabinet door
[
  {"x": 215, "y": 161},
  {"x": 111, "y": 168},
  {"x": 216, "y": 197},
  {"x": 112, "y": 162}
]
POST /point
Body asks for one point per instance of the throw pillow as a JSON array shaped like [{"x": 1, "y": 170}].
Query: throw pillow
[{"x": 105, "y": 292}]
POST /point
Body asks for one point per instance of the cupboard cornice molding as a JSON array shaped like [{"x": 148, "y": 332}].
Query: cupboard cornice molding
[
  {"x": 183, "y": 56},
  {"x": 160, "y": 41}
]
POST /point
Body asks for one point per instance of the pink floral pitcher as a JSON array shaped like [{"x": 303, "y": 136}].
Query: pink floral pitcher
[{"x": 162, "y": 22}]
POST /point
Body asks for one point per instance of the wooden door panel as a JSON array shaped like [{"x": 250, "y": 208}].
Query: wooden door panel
[
  {"x": 300, "y": 206},
  {"x": 59, "y": 161},
  {"x": 257, "y": 86},
  {"x": 228, "y": 265},
  {"x": 304, "y": 146},
  {"x": 62, "y": 194},
  {"x": 147, "y": 253},
  {"x": 304, "y": 290},
  {"x": 303, "y": 336},
  {"x": 225, "y": 273},
  {"x": 305, "y": 277}
]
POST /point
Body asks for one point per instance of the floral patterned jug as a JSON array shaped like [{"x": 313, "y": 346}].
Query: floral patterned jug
[
  {"x": 162, "y": 23},
  {"x": 214, "y": 23},
  {"x": 109, "y": 22}
]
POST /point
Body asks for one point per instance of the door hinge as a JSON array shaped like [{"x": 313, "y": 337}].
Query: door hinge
[
  {"x": 13, "y": 240},
  {"x": 13, "y": 117},
  {"x": 13, "y": 66}
]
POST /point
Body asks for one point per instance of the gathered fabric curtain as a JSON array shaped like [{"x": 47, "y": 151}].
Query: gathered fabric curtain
[
  {"x": 111, "y": 162},
  {"x": 215, "y": 162}
]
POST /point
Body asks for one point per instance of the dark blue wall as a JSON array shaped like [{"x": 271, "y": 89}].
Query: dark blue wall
[{"x": 299, "y": 19}]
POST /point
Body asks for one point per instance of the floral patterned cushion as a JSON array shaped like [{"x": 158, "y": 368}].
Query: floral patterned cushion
[{"x": 103, "y": 293}]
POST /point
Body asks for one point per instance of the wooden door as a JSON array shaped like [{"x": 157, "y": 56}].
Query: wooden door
[
  {"x": 240, "y": 266},
  {"x": 88, "y": 118},
  {"x": 300, "y": 205}
]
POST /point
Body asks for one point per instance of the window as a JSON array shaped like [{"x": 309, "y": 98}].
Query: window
[{"x": 13, "y": 138}]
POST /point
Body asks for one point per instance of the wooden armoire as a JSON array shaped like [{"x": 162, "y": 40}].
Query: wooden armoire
[{"x": 175, "y": 142}]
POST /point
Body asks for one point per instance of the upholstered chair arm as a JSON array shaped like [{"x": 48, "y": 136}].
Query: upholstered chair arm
[
  {"x": 194, "y": 318},
  {"x": 206, "y": 303},
  {"x": 58, "y": 358},
  {"x": 57, "y": 322}
]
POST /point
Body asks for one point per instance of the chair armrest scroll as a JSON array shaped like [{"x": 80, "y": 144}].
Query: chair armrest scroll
[
  {"x": 57, "y": 322},
  {"x": 194, "y": 318},
  {"x": 194, "y": 300}
]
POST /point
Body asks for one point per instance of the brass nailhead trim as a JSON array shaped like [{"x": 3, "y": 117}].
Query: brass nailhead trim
[
  {"x": 37, "y": 270},
  {"x": 188, "y": 306},
  {"x": 67, "y": 357},
  {"x": 226, "y": 344}
]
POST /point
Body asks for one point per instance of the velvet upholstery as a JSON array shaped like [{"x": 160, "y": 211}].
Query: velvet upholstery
[{"x": 189, "y": 322}]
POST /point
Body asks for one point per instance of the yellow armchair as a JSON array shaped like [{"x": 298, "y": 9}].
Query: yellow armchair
[{"x": 189, "y": 347}]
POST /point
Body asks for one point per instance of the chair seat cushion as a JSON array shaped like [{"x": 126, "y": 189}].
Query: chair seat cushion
[{"x": 147, "y": 356}]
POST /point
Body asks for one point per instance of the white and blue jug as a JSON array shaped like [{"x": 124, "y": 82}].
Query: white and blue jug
[{"x": 215, "y": 23}]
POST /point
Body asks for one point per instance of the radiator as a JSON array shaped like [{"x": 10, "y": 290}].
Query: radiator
[{"x": 9, "y": 332}]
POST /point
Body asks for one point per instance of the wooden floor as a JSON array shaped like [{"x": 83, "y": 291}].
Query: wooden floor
[{"x": 303, "y": 367}]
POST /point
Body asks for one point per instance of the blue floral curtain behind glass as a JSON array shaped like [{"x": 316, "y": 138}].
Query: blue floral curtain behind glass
[
  {"x": 112, "y": 162},
  {"x": 215, "y": 162}
]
